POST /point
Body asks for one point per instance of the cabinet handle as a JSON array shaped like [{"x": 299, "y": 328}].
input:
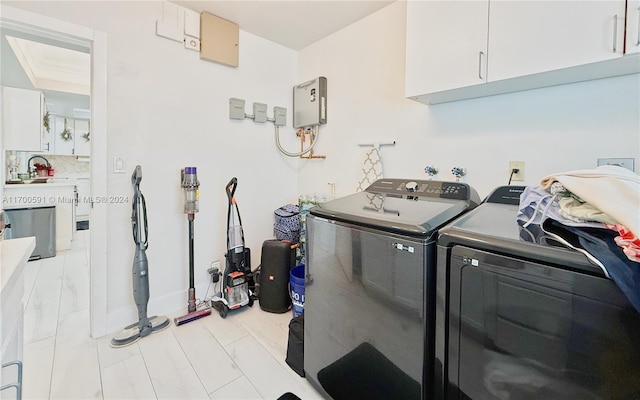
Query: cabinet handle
[
  {"x": 615, "y": 33},
  {"x": 638, "y": 40},
  {"x": 480, "y": 65}
]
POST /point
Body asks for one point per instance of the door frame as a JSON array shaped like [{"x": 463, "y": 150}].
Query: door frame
[{"x": 97, "y": 41}]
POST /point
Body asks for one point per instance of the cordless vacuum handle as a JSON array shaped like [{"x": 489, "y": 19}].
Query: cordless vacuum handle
[{"x": 231, "y": 189}]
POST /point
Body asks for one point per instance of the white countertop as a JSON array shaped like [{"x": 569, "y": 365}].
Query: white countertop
[
  {"x": 14, "y": 254},
  {"x": 56, "y": 183}
]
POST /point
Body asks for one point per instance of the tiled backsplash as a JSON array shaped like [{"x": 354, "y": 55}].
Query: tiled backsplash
[
  {"x": 64, "y": 166},
  {"x": 70, "y": 166}
]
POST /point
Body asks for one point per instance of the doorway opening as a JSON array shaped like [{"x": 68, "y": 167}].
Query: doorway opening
[{"x": 73, "y": 141}]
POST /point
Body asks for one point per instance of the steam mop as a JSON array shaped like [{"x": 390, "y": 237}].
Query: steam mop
[
  {"x": 237, "y": 276},
  {"x": 145, "y": 326},
  {"x": 190, "y": 186}
]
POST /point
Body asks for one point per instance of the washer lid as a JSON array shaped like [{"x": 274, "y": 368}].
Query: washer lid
[
  {"x": 493, "y": 226},
  {"x": 405, "y": 206}
]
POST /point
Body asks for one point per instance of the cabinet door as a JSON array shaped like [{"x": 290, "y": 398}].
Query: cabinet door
[
  {"x": 527, "y": 37},
  {"x": 84, "y": 199},
  {"x": 446, "y": 45},
  {"x": 22, "y": 119},
  {"x": 62, "y": 146},
  {"x": 633, "y": 27},
  {"x": 81, "y": 138}
]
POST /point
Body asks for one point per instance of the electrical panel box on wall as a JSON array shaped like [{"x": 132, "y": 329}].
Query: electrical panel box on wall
[
  {"x": 310, "y": 103},
  {"x": 259, "y": 112},
  {"x": 280, "y": 116},
  {"x": 236, "y": 108},
  {"x": 219, "y": 40}
]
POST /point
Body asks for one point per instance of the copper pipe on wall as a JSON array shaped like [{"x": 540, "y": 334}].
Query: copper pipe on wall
[{"x": 311, "y": 132}]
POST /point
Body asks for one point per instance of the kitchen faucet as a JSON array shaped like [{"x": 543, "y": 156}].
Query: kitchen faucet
[{"x": 29, "y": 168}]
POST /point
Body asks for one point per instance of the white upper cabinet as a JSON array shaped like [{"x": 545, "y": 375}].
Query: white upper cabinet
[
  {"x": 22, "y": 119},
  {"x": 63, "y": 136},
  {"x": 633, "y": 27},
  {"x": 464, "y": 49},
  {"x": 76, "y": 141},
  {"x": 82, "y": 138},
  {"x": 446, "y": 45},
  {"x": 529, "y": 37}
]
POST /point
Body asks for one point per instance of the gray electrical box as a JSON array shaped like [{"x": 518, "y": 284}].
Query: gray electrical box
[
  {"x": 259, "y": 112},
  {"x": 310, "y": 103},
  {"x": 236, "y": 108},
  {"x": 280, "y": 116}
]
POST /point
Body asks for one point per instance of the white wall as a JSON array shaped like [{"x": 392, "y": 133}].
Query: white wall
[
  {"x": 167, "y": 109},
  {"x": 552, "y": 129}
]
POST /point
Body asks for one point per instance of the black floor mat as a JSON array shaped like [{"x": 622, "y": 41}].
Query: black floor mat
[
  {"x": 82, "y": 225},
  {"x": 365, "y": 373}
]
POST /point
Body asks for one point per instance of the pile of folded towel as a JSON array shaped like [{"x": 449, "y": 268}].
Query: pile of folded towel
[{"x": 595, "y": 211}]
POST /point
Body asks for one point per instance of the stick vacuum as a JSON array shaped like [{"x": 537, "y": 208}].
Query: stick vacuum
[
  {"x": 145, "y": 326},
  {"x": 190, "y": 185}
]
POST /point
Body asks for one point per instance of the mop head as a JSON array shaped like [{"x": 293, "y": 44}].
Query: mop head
[{"x": 131, "y": 333}]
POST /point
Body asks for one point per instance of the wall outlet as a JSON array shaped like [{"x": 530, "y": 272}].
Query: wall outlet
[
  {"x": 517, "y": 176},
  {"x": 214, "y": 271},
  {"x": 627, "y": 163}
]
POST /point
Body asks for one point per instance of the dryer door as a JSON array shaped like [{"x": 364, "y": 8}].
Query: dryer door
[{"x": 521, "y": 330}]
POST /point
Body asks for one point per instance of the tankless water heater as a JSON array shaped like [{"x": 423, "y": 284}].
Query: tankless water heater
[{"x": 310, "y": 103}]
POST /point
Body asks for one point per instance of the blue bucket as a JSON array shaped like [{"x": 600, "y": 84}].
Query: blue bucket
[{"x": 297, "y": 289}]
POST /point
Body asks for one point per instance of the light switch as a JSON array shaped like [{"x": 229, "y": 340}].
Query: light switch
[{"x": 119, "y": 165}]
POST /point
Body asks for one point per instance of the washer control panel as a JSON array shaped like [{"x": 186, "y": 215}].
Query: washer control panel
[{"x": 418, "y": 188}]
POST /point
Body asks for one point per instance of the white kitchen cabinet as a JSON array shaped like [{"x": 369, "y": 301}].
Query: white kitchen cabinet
[
  {"x": 465, "y": 49},
  {"x": 22, "y": 117},
  {"x": 632, "y": 44},
  {"x": 529, "y": 37},
  {"x": 84, "y": 199},
  {"x": 82, "y": 142},
  {"x": 446, "y": 45},
  {"x": 61, "y": 195},
  {"x": 62, "y": 147},
  {"x": 77, "y": 145},
  {"x": 14, "y": 255}
]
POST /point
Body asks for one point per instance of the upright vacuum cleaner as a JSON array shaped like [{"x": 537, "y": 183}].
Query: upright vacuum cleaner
[
  {"x": 237, "y": 278},
  {"x": 190, "y": 185},
  {"x": 145, "y": 326}
]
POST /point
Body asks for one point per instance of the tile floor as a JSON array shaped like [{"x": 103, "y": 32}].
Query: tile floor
[{"x": 240, "y": 357}]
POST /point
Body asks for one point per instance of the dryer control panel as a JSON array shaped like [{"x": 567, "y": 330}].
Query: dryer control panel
[{"x": 421, "y": 188}]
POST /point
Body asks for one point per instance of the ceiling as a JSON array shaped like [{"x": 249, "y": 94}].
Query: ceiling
[
  {"x": 291, "y": 23},
  {"x": 59, "y": 101}
]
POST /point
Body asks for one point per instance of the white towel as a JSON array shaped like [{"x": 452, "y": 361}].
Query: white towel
[
  {"x": 371, "y": 169},
  {"x": 611, "y": 189}
]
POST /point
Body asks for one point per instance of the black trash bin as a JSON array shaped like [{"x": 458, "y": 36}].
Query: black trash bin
[{"x": 295, "y": 346}]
